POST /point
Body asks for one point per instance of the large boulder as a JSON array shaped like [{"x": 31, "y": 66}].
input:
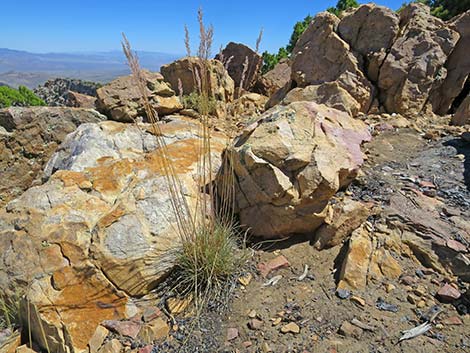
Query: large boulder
[
  {"x": 101, "y": 229},
  {"x": 121, "y": 100},
  {"x": 321, "y": 56},
  {"x": 370, "y": 31},
  {"x": 415, "y": 64},
  {"x": 458, "y": 68},
  {"x": 329, "y": 93},
  {"x": 235, "y": 57},
  {"x": 290, "y": 162},
  {"x": 274, "y": 79},
  {"x": 182, "y": 73},
  {"x": 28, "y": 138}
]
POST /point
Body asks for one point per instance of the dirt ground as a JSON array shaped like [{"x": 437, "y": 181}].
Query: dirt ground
[{"x": 398, "y": 160}]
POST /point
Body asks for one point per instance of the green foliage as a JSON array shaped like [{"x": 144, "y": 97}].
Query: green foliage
[
  {"x": 20, "y": 97},
  {"x": 299, "y": 28},
  {"x": 9, "y": 311},
  {"x": 203, "y": 104},
  {"x": 342, "y": 5},
  {"x": 270, "y": 60},
  {"x": 444, "y": 9}
]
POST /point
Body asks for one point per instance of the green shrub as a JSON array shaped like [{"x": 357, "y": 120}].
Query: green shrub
[
  {"x": 342, "y": 5},
  {"x": 200, "y": 104},
  {"x": 22, "y": 97}
]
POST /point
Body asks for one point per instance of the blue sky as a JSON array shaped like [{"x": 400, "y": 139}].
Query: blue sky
[{"x": 153, "y": 25}]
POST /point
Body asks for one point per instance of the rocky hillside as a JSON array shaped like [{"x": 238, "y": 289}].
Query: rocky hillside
[
  {"x": 351, "y": 188},
  {"x": 56, "y": 92}
]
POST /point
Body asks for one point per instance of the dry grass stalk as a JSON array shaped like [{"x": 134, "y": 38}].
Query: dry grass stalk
[
  {"x": 208, "y": 253},
  {"x": 185, "y": 222},
  {"x": 258, "y": 40},
  {"x": 243, "y": 78}
]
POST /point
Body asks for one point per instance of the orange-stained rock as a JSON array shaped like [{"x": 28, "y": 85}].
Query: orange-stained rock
[
  {"x": 100, "y": 229},
  {"x": 353, "y": 275},
  {"x": 69, "y": 306}
]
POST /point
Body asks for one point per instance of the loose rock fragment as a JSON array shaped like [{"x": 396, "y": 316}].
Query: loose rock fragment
[
  {"x": 448, "y": 294},
  {"x": 291, "y": 327}
]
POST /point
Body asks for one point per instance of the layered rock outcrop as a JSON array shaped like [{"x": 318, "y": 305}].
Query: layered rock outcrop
[
  {"x": 236, "y": 57},
  {"x": 28, "y": 138},
  {"x": 321, "y": 57},
  {"x": 182, "y": 73},
  {"x": 445, "y": 98},
  {"x": 415, "y": 64},
  {"x": 290, "y": 162},
  {"x": 100, "y": 229},
  {"x": 55, "y": 92},
  {"x": 374, "y": 59},
  {"x": 121, "y": 100}
]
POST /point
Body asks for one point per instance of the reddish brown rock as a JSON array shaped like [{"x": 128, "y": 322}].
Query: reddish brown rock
[
  {"x": 181, "y": 72},
  {"x": 266, "y": 268},
  {"x": 232, "y": 333},
  {"x": 234, "y": 57},
  {"x": 274, "y": 80},
  {"x": 79, "y": 100},
  {"x": 448, "y": 294}
]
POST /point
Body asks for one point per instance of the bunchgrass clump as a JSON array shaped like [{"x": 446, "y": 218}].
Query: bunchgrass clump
[
  {"x": 9, "y": 312},
  {"x": 196, "y": 102},
  {"x": 205, "y": 264},
  {"x": 209, "y": 256}
]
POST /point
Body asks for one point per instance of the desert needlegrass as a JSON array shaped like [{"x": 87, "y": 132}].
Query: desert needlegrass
[{"x": 208, "y": 255}]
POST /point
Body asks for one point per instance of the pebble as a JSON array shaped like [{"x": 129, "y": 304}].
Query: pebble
[
  {"x": 265, "y": 348},
  {"x": 448, "y": 293},
  {"x": 408, "y": 280},
  {"x": 358, "y": 300},
  {"x": 453, "y": 320},
  {"x": 412, "y": 299},
  {"x": 232, "y": 333},
  {"x": 420, "y": 291},
  {"x": 349, "y": 330},
  {"x": 278, "y": 262},
  {"x": 255, "y": 324},
  {"x": 291, "y": 327},
  {"x": 343, "y": 293},
  {"x": 246, "y": 279},
  {"x": 382, "y": 305},
  {"x": 421, "y": 304},
  {"x": 389, "y": 287},
  {"x": 252, "y": 314}
]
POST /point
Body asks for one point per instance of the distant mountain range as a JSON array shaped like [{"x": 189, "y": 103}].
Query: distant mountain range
[{"x": 31, "y": 69}]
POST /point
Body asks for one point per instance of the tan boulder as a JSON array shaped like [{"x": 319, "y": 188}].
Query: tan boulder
[
  {"x": 457, "y": 66},
  {"x": 234, "y": 56},
  {"x": 370, "y": 30},
  {"x": 182, "y": 72},
  {"x": 28, "y": 138},
  {"x": 344, "y": 218},
  {"x": 100, "y": 229},
  {"x": 329, "y": 93},
  {"x": 274, "y": 79},
  {"x": 290, "y": 162},
  {"x": 121, "y": 100},
  {"x": 462, "y": 115},
  {"x": 79, "y": 100},
  {"x": 320, "y": 56},
  {"x": 415, "y": 64}
]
